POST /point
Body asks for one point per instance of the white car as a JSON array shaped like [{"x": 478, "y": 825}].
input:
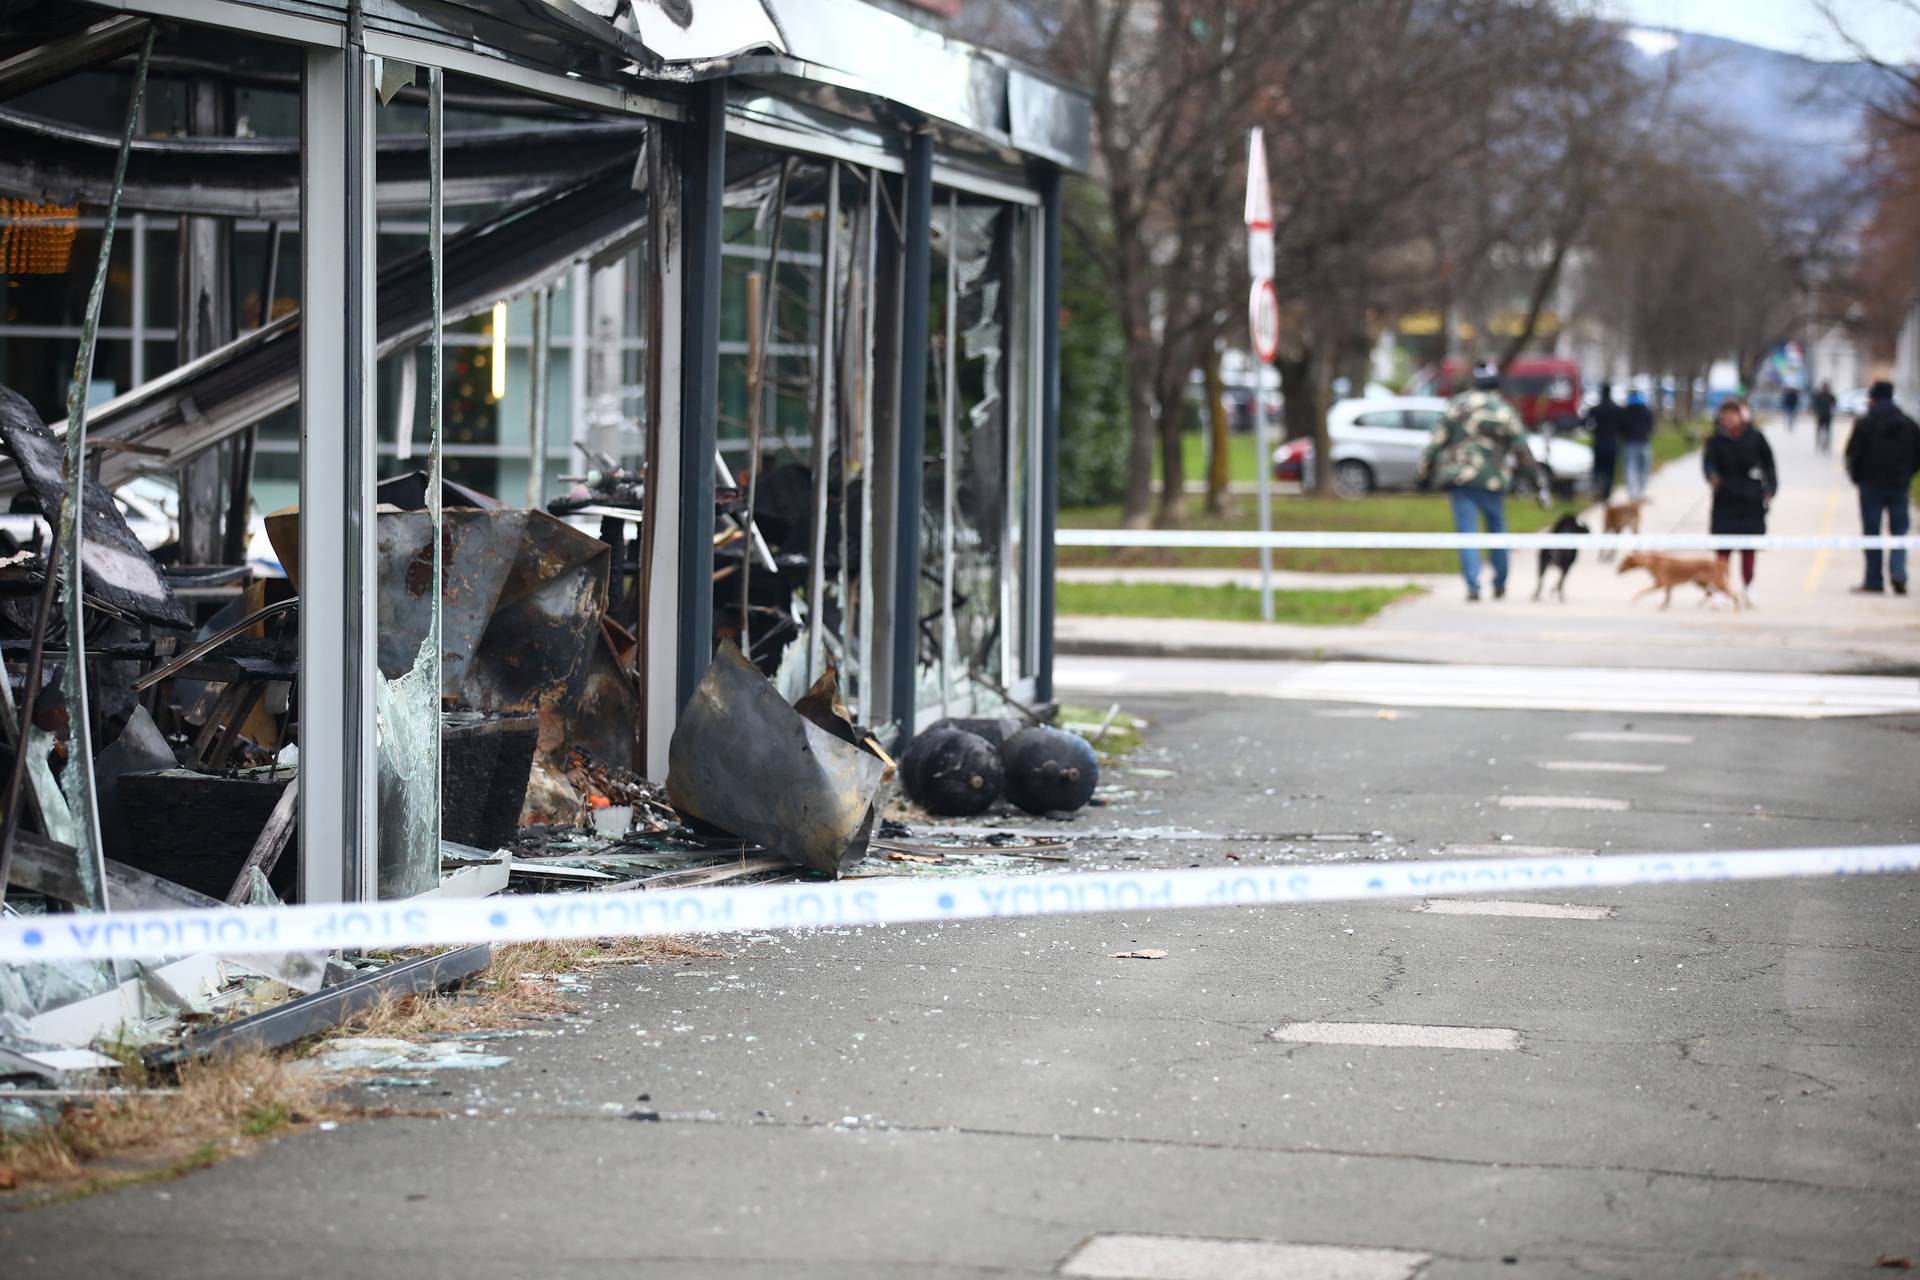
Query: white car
[
  {"x": 151, "y": 523},
  {"x": 1377, "y": 445}
]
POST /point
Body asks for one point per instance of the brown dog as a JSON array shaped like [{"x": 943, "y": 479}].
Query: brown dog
[
  {"x": 1709, "y": 574},
  {"x": 1623, "y": 517}
]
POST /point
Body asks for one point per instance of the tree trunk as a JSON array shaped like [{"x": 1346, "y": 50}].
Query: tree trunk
[
  {"x": 1322, "y": 442},
  {"x": 1140, "y": 364},
  {"x": 1171, "y": 394},
  {"x": 1542, "y": 290},
  {"x": 1219, "y": 476},
  {"x": 1296, "y": 411}
]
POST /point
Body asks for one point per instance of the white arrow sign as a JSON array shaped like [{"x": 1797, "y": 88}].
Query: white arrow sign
[{"x": 1259, "y": 210}]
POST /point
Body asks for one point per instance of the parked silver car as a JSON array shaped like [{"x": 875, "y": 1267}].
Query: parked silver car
[{"x": 1377, "y": 444}]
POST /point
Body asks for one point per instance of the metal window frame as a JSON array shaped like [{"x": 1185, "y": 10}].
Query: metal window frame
[
  {"x": 703, "y": 188},
  {"x": 978, "y": 184},
  {"x": 814, "y": 145},
  {"x": 909, "y": 432},
  {"x": 1048, "y": 489},
  {"x": 338, "y": 852}
]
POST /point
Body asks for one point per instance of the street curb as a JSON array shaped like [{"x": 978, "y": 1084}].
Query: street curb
[{"x": 1122, "y": 648}]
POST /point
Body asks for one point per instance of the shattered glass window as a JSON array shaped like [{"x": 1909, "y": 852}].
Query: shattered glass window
[{"x": 974, "y": 479}]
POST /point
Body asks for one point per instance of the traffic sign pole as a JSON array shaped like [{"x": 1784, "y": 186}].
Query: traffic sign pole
[{"x": 1263, "y": 317}]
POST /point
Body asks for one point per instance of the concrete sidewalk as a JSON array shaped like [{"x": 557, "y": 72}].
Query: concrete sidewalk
[{"x": 1805, "y": 620}]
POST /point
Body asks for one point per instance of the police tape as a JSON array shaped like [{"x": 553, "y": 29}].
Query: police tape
[
  {"x": 1349, "y": 540},
  {"x": 398, "y": 924}
]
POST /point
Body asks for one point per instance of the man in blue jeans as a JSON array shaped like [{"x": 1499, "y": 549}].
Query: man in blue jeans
[
  {"x": 1882, "y": 456},
  {"x": 1467, "y": 456},
  {"x": 1636, "y": 444}
]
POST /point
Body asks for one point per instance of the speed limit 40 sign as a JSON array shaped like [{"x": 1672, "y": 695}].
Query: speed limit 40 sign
[{"x": 1263, "y": 314}]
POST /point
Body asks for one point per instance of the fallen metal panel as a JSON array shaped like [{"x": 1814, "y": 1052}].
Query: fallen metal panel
[
  {"x": 296, "y": 1019},
  {"x": 744, "y": 761},
  {"x": 129, "y": 1004}
]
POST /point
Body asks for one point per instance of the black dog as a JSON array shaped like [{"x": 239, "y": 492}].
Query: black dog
[{"x": 1561, "y": 560}]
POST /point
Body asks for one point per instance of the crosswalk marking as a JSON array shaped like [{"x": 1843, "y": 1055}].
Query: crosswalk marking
[
  {"x": 1400, "y": 685},
  {"x": 1633, "y": 735},
  {"x": 1398, "y": 1035},
  {"x": 1529, "y": 910},
  {"x": 1598, "y": 804},
  {"x": 1504, "y": 850},
  {"x": 1601, "y": 766},
  {"x": 1119, "y": 1256}
]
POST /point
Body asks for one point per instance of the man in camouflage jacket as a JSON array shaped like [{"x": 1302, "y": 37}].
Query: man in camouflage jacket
[{"x": 1467, "y": 456}]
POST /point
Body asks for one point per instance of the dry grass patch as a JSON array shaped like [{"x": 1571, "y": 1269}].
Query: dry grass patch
[
  {"x": 218, "y": 1106},
  {"x": 517, "y": 987}
]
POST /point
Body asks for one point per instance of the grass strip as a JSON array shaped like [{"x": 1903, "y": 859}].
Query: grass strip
[{"x": 1226, "y": 602}]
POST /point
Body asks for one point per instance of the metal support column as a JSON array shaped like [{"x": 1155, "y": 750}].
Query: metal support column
[
  {"x": 338, "y": 852},
  {"x": 1049, "y": 477},
  {"x": 704, "y": 180},
  {"x": 204, "y": 322},
  {"x": 911, "y": 426}
]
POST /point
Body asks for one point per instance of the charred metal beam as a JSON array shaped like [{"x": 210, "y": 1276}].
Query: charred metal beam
[
  {"x": 42, "y": 159},
  {"x": 200, "y": 404},
  {"x": 56, "y": 59}
]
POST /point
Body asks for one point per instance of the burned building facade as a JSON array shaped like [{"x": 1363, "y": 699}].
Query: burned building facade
[{"x": 464, "y": 374}]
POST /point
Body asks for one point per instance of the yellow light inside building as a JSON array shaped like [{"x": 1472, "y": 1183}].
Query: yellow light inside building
[{"x": 499, "y": 361}]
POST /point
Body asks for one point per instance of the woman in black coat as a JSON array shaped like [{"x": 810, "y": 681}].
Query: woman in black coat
[{"x": 1739, "y": 466}]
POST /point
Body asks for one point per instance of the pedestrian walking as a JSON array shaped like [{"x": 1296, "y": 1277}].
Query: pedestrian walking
[
  {"x": 1605, "y": 420},
  {"x": 1824, "y": 403},
  {"x": 1883, "y": 454},
  {"x": 1739, "y": 468},
  {"x": 1636, "y": 444},
  {"x": 1468, "y": 456},
  {"x": 1790, "y": 406}
]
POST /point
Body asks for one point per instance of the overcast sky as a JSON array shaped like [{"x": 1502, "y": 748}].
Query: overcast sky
[{"x": 1892, "y": 27}]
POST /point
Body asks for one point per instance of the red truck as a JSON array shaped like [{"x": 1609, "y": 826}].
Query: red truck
[{"x": 1545, "y": 389}]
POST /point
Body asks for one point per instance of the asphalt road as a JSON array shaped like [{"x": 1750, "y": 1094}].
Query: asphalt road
[{"x": 1686, "y": 1081}]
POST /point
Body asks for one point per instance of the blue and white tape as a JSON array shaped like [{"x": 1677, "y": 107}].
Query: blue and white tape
[
  {"x": 1336, "y": 540},
  {"x": 903, "y": 900}
]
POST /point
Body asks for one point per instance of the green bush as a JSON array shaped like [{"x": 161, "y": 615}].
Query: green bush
[{"x": 1093, "y": 368}]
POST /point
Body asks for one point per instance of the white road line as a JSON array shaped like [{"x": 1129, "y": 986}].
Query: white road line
[
  {"x": 1532, "y": 910},
  {"x": 1601, "y": 804},
  {"x": 1601, "y": 766},
  {"x": 1143, "y": 1257},
  {"x": 1363, "y": 713},
  {"x": 1590, "y": 689},
  {"x": 1633, "y": 735},
  {"x": 1518, "y": 851},
  {"x": 1398, "y": 1035}
]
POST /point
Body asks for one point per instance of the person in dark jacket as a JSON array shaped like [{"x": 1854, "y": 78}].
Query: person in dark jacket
[
  {"x": 1790, "y": 406},
  {"x": 1636, "y": 443},
  {"x": 1824, "y": 403},
  {"x": 1883, "y": 453},
  {"x": 1605, "y": 419},
  {"x": 1739, "y": 467}
]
